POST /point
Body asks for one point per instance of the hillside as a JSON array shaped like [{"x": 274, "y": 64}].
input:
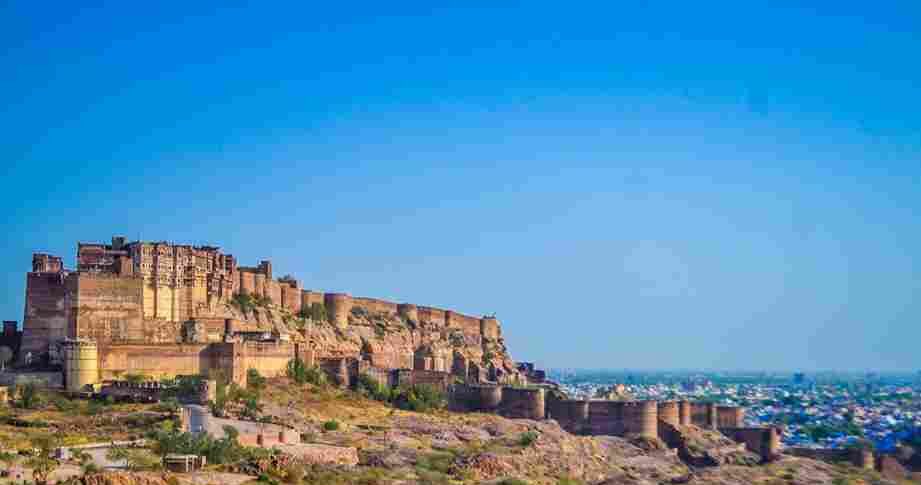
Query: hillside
[{"x": 395, "y": 446}]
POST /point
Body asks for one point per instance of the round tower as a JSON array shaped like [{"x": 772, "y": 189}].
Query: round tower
[
  {"x": 523, "y": 403},
  {"x": 338, "y": 308},
  {"x": 668, "y": 412},
  {"x": 489, "y": 327},
  {"x": 684, "y": 413},
  {"x": 712, "y": 416},
  {"x": 730, "y": 416},
  {"x": 641, "y": 418},
  {"x": 570, "y": 414},
  {"x": 259, "y": 283},
  {"x": 490, "y": 397},
  {"x": 408, "y": 311},
  {"x": 81, "y": 364}
]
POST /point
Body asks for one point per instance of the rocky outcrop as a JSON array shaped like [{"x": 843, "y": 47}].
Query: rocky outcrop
[{"x": 385, "y": 340}]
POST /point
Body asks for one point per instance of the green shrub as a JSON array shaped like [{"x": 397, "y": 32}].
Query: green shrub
[
  {"x": 245, "y": 303},
  {"x": 315, "y": 312},
  {"x": 183, "y": 386},
  {"x": 437, "y": 462},
  {"x": 65, "y": 405},
  {"x": 370, "y": 387},
  {"x": 420, "y": 398},
  {"x": 299, "y": 372},
  {"x": 168, "y": 405},
  {"x": 254, "y": 380},
  {"x": 528, "y": 438},
  {"x": 217, "y": 451},
  {"x": 136, "y": 378},
  {"x": 331, "y": 425},
  {"x": 29, "y": 396}
]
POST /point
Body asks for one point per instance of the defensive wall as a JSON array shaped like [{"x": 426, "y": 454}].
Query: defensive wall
[
  {"x": 511, "y": 402},
  {"x": 765, "y": 442},
  {"x": 87, "y": 363},
  {"x": 11, "y": 336},
  {"x": 860, "y": 458},
  {"x": 650, "y": 419},
  {"x": 46, "y": 311}
]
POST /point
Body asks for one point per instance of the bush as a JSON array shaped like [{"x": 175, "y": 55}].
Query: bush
[
  {"x": 299, "y": 372},
  {"x": 421, "y": 398},
  {"x": 217, "y": 451},
  {"x": 136, "y": 378},
  {"x": 244, "y": 302},
  {"x": 183, "y": 387},
  {"x": 370, "y": 387},
  {"x": 29, "y": 396},
  {"x": 254, "y": 380},
  {"x": 436, "y": 462},
  {"x": 528, "y": 438},
  {"x": 315, "y": 312},
  {"x": 168, "y": 405},
  {"x": 294, "y": 473},
  {"x": 65, "y": 405},
  {"x": 331, "y": 425}
]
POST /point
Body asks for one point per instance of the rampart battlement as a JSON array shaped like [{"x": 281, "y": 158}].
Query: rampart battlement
[{"x": 859, "y": 457}]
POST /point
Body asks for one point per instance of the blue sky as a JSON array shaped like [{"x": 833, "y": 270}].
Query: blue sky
[{"x": 648, "y": 186}]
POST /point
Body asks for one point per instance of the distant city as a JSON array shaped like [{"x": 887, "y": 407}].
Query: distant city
[{"x": 822, "y": 410}]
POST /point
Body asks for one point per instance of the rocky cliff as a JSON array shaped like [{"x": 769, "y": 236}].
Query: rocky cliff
[{"x": 385, "y": 339}]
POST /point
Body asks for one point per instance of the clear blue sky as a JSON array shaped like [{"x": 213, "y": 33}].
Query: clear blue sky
[{"x": 640, "y": 184}]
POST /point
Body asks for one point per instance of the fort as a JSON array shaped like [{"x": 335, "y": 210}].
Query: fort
[
  {"x": 162, "y": 309},
  {"x": 156, "y": 310}
]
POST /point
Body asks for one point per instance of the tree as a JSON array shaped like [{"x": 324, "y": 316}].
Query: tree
[
  {"x": 29, "y": 397},
  {"x": 254, "y": 380},
  {"x": 43, "y": 463},
  {"x": 6, "y": 355}
]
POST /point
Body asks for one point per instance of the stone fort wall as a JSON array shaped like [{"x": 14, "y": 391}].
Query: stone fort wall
[
  {"x": 46, "y": 312},
  {"x": 225, "y": 359},
  {"x": 649, "y": 419}
]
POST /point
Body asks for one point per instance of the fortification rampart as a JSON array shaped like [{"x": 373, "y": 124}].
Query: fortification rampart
[
  {"x": 81, "y": 364},
  {"x": 374, "y": 305},
  {"x": 668, "y": 412},
  {"x": 860, "y": 458},
  {"x": 684, "y": 413},
  {"x": 705, "y": 415},
  {"x": 259, "y": 282},
  {"x": 408, "y": 311},
  {"x": 108, "y": 308},
  {"x": 763, "y": 441},
  {"x": 435, "y": 316},
  {"x": 338, "y": 308},
  {"x": 730, "y": 417},
  {"x": 310, "y": 298},
  {"x": 621, "y": 418},
  {"x": 46, "y": 312},
  {"x": 604, "y": 417},
  {"x": 291, "y": 298}
]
